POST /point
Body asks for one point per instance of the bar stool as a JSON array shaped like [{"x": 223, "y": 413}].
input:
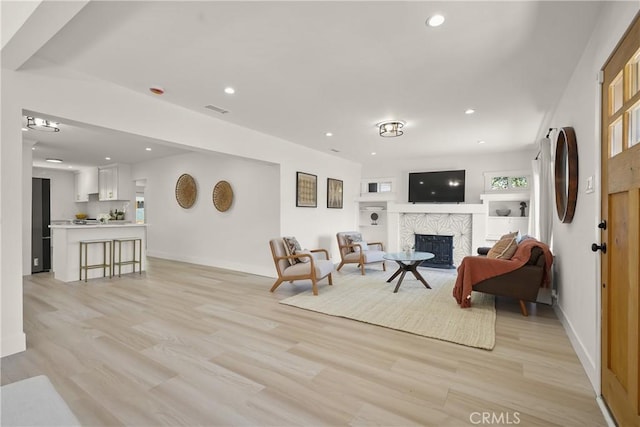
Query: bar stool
[
  {"x": 133, "y": 261},
  {"x": 84, "y": 244}
]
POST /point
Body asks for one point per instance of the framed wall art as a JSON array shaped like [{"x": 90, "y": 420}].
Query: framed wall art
[
  {"x": 334, "y": 193},
  {"x": 306, "y": 190}
]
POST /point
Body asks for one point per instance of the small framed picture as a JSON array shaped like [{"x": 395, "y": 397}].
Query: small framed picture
[
  {"x": 334, "y": 193},
  {"x": 306, "y": 190}
]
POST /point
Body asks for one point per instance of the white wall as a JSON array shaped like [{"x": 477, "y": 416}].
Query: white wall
[
  {"x": 577, "y": 273},
  {"x": 69, "y": 96},
  {"x": 235, "y": 239},
  {"x": 474, "y": 165}
]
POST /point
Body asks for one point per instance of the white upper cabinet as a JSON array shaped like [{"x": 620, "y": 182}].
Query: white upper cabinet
[
  {"x": 86, "y": 182},
  {"x": 114, "y": 182}
]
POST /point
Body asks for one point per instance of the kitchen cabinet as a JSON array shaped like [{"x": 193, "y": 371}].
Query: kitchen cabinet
[
  {"x": 86, "y": 182},
  {"x": 498, "y": 225},
  {"x": 114, "y": 182}
]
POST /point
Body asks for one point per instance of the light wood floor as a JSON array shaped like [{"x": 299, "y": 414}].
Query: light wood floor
[{"x": 192, "y": 345}]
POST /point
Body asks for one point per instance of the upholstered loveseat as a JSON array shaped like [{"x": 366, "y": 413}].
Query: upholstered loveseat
[{"x": 519, "y": 276}]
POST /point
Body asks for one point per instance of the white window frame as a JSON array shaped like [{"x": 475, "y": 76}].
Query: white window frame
[{"x": 488, "y": 177}]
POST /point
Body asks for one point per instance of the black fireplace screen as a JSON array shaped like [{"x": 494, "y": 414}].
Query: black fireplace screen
[{"x": 440, "y": 246}]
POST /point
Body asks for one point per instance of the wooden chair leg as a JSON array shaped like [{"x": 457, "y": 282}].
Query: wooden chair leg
[
  {"x": 362, "y": 268},
  {"x": 330, "y": 279},
  {"x": 275, "y": 285},
  {"x": 340, "y": 266},
  {"x": 523, "y": 308},
  {"x": 314, "y": 286},
  {"x": 384, "y": 266}
]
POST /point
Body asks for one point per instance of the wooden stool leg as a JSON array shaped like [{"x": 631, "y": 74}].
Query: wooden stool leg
[
  {"x": 80, "y": 260},
  {"x": 86, "y": 262}
]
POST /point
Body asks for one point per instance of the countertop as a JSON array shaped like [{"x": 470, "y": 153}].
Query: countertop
[{"x": 108, "y": 225}]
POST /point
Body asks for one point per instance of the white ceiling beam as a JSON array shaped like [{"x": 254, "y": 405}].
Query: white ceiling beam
[{"x": 32, "y": 27}]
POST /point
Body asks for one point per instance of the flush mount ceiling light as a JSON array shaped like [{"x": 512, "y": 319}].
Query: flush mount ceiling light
[
  {"x": 42, "y": 124},
  {"x": 469, "y": 111},
  {"x": 157, "y": 90},
  {"x": 53, "y": 160},
  {"x": 435, "y": 21},
  {"x": 391, "y": 128},
  {"x": 229, "y": 90}
]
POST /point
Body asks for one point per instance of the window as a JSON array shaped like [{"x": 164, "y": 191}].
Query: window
[
  {"x": 377, "y": 185},
  {"x": 507, "y": 181},
  {"x": 499, "y": 182}
]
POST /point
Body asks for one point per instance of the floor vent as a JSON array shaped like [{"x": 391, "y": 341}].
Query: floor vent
[{"x": 216, "y": 109}]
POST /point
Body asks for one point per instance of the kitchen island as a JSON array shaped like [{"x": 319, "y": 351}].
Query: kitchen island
[{"x": 65, "y": 249}]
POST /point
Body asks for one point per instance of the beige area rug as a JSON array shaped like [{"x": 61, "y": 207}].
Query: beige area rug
[{"x": 432, "y": 313}]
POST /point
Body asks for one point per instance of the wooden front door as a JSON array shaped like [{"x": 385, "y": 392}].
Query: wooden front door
[{"x": 621, "y": 211}]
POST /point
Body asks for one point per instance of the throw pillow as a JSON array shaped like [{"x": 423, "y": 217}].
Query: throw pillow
[
  {"x": 304, "y": 259},
  {"x": 291, "y": 245},
  {"x": 513, "y": 234},
  {"x": 357, "y": 238},
  {"x": 503, "y": 249}
]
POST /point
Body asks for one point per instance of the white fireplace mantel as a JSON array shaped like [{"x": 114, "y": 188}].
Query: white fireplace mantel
[
  {"x": 477, "y": 211},
  {"x": 457, "y": 208}
]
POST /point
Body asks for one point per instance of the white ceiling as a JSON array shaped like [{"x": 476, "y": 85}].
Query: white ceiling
[
  {"x": 80, "y": 145},
  {"x": 301, "y": 69}
]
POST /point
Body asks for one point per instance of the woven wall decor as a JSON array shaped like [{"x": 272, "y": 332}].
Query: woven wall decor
[
  {"x": 186, "y": 191},
  {"x": 222, "y": 196}
]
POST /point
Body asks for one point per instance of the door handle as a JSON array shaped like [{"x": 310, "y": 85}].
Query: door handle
[
  {"x": 603, "y": 225},
  {"x": 602, "y": 247}
]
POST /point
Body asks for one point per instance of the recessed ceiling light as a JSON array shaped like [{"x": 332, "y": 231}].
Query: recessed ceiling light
[
  {"x": 53, "y": 160},
  {"x": 69, "y": 167},
  {"x": 328, "y": 134},
  {"x": 373, "y": 153},
  {"x": 25, "y": 130},
  {"x": 107, "y": 158},
  {"x": 469, "y": 111},
  {"x": 229, "y": 90},
  {"x": 33, "y": 148},
  {"x": 435, "y": 20},
  {"x": 148, "y": 148},
  {"x": 481, "y": 141}
]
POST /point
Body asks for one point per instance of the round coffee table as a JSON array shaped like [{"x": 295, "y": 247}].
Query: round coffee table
[{"x": 408, "y": 261}]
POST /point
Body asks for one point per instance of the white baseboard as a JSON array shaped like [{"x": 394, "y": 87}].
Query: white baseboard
[
  {"x": 587, "y": 362},
  {"x": 605, "y": 412},
  {"x": 13, "y": 344},
  {"x": 244, "y": 268}
]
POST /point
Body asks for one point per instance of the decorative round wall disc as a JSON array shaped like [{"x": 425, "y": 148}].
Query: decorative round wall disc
[
  {"x": 222, "y": 196},
  {"x": 186, "y": 191}
]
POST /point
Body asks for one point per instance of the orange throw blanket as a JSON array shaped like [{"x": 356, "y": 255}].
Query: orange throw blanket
[{"x": 475, "y": 269}]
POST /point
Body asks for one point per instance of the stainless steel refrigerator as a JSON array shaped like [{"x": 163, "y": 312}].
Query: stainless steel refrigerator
[{"x": 40, "y": 220}]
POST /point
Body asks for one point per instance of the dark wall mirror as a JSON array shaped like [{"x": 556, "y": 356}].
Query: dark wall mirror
[{"x": 566, "y": 174}]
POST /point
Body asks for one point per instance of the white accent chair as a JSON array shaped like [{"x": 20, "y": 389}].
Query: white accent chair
[
  {"x": 353, "y": 253},
  {"x": 314, "y": 269}
]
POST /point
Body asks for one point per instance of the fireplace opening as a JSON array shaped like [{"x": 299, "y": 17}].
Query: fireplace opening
[{"x": 440, "y": 246}]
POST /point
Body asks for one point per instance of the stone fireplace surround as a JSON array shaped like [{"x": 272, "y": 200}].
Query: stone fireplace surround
[{"x": 466, "y": 222}]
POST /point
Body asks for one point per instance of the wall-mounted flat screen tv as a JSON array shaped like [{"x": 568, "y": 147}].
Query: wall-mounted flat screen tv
[{"x": 436, "y": 187}]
